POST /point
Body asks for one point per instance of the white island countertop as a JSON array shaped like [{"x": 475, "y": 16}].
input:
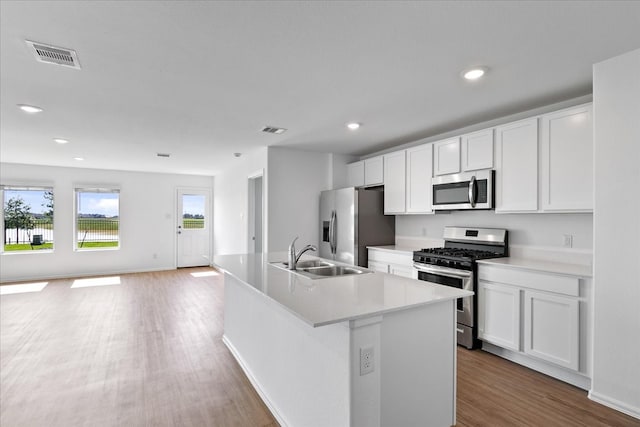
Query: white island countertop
[{"x": 330, "y": 300}]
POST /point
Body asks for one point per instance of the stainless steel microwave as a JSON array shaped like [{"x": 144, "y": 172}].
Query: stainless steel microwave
[{"x": 468, "y": 190}]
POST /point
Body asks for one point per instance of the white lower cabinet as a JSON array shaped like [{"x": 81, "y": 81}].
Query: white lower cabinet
[
  {"x": 399, "y": 263},
  {"x": 499, "y": 315},
  {"x": 541, "y": 317},
  {"x": 402, "y": 270},
  {"x": 551, "y": 328},
  {"x": 378, "y": 266}
]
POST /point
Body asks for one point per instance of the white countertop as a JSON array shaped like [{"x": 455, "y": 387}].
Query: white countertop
[
  {"x": 579, "y": 270},
  {"x": 336, "y": 299}
]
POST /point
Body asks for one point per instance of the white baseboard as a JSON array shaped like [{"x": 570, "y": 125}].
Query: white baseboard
[
  {"x": 557, "y": 372},
  {"x": 612, "y": 403},
  {"x": 254, "y": 382}
]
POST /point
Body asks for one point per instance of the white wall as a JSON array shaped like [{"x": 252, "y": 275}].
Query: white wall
[
  {"x": 339, "y": 164},
  {"x": 616, "y": 366},
  {"x": 231, "y": 203},
  {"x": 296, "y": 179},
  {"x": 537, "y": 230},
  {"x": 147, "y": 222}
]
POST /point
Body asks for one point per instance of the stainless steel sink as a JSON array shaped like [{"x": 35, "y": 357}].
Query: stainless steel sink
[
  {"x": 305, "y": 264},
  {"x": 319, "y": 269},
  {"x": 334, "y": 270}
]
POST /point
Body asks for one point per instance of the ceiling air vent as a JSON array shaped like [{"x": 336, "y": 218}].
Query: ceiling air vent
[
  {"x": 54, "y": 55},
  {"x": 271, "y": 129}
]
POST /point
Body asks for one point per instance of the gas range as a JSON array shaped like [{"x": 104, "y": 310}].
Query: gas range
[
  {"x": 455, "y": 257},
  {"x": 455, "y": 265}
]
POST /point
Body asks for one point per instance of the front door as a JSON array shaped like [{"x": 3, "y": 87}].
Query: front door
[{"x": 193, "y": 228}]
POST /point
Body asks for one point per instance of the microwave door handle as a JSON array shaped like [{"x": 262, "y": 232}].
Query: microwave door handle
[{"x": 473, "y": 191}]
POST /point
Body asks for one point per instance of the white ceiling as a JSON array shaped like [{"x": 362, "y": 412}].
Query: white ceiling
[{"x": 200, "y": 79}]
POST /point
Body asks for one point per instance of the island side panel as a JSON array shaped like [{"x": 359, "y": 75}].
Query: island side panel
[
  {"x": 418, "y": 366},
  {"x": 301, "y": 372}
]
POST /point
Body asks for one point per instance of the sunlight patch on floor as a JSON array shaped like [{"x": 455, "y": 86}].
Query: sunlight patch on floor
[
  {"x": 22, "y": 288},
  {"x": 96, "y": 281},
  {"x": 205, "y": 273}
]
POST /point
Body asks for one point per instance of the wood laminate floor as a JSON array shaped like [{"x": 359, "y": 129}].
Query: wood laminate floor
[{"x": 148, "y": 352}]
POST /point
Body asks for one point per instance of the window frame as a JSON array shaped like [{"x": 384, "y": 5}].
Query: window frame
[
  {"x": 28, "y": 187},
  {"x": 106, "y": 189}
]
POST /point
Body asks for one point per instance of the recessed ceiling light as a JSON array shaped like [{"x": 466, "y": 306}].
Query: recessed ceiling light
[
  {"x": 474, "y": 73},
  {"x": 61, "y": 140},
  {"x": 29, "y": 108},
  {"x": 78, "y": 158},
  {"x": 237, "y": 154},
  {"x": 353, "y": 126}
]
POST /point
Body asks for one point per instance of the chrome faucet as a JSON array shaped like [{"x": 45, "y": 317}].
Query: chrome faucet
[{"x": 293, "y": 257}]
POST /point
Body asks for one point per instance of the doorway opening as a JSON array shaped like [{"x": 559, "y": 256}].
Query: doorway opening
[{"x": 255, "y": 226}]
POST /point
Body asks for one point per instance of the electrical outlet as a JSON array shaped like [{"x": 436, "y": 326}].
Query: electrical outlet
[
  {"x": 366, "y": 360},
  {"x": 567, "y": 240}
]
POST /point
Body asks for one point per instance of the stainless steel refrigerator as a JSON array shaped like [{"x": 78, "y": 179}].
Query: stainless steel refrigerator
[{"x": 350, "y": 220}]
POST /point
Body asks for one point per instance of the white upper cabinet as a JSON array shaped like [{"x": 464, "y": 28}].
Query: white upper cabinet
[
  {"x": 355, "y": 174},
  {"x": 567, "y": 160},
  {"x": 446, "y": 156},
  {"x": 366, "y": 173},
  {"x": 373, "y": 171},
  {"x": 394, "y": 183},
  {"x": 517, "y": 166},
  {"x": 477, "y": 150},
  {"x": 419, "y": 174}
]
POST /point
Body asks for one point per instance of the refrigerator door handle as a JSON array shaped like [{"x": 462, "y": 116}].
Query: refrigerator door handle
[{"x": 332, "y": 232}]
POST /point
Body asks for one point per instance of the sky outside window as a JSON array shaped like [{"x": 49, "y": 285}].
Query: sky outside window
[
  {"x": 33, "y": 198},
  {"x": 106, "y": 204},
  {"x": 193, "y": 204}
]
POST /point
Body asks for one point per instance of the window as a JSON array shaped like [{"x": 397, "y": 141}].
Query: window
[
  {"x": 193, "y": 209},
  {"x": 28, "y": 218},
  {"x": 97, "y": 218}
]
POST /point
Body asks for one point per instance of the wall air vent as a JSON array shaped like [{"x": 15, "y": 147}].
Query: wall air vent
[
  {"x": 271, "y": 129},
  {"x": 54, "y": 55},
  {"x": 163, "y": 154}
]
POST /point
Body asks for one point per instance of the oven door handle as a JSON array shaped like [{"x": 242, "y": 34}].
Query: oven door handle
[{"x": 443, "y": 271}]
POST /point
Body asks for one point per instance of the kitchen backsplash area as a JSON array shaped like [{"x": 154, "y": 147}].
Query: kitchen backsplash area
[{"x": 550, "y": 237}]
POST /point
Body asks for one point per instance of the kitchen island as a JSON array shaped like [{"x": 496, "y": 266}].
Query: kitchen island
[{"x": 367, "y": 349}]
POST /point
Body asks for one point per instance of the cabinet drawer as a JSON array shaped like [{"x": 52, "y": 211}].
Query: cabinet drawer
[
  {"x": 391, "y": 258},
  {"x": 531, "y": 279}
]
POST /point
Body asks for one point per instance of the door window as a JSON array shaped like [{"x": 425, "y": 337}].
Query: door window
[{"x": 193, "y": 211}]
